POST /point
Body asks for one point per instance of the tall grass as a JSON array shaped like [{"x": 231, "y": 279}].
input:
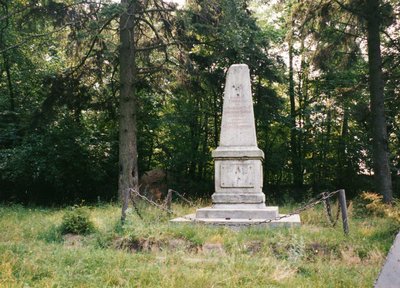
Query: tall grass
[{"x": 156, "y": 253}]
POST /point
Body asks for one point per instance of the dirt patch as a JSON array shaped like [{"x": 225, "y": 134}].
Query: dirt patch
[
  {"x": 137, "y": 245},
  {"x": 152, "y": 245},
  {"x": 179, "y": 244}
]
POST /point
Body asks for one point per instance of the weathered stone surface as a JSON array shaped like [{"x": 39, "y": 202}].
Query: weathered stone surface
[
  {"x": 241, "y": 175},
  {"x": 237, "y": 198},
  {"x": 390, "y": 273},
  {"x": 237, "y": 224},
  {"x": 238, "y": 128},
  {"x": 238, "y": 161},
  {"x": 248, "y": 213}
]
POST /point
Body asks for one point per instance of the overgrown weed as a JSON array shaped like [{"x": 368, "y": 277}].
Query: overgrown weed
[{"x": 154, "y": 252}]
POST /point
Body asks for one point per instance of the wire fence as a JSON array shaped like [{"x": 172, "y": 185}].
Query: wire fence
[{"x": 324, "y": 197}]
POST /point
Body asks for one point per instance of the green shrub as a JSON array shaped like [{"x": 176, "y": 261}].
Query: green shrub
[
  {"x": 372, "y": 204},
  {"x": 77, "y": 221}
]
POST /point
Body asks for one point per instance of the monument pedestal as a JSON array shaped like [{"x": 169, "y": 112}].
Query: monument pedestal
[
  {"x": 237, "y": 224},
  {"x": 238, "y": 186},
  {"x": 250, "y": 213},
  {"x": 238, "y": 199}
]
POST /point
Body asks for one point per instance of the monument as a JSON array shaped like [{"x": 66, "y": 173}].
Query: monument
[{"x": 238, "y": 198}]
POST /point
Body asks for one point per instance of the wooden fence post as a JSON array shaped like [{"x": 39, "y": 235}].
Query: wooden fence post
[
  {"x": 343, "y": 208},
  {"x": 168, "y": 200}
]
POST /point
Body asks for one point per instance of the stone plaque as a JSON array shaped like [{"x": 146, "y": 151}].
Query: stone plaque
[{"x": 237, "y": 175}]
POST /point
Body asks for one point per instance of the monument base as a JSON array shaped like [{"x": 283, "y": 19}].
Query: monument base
[
  {"x": 237, "y": 198},
  {"x": 238, "y": 224},
  {"x": 238, "y": 211}
]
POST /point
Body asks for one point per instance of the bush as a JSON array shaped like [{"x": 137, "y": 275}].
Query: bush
[
  {"x": 77, "y": 221},
  {"x": 372, "y": 204},
  {"x": 63, "y": 162}
]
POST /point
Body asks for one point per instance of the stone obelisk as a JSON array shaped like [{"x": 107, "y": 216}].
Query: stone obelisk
[{"x": 238, "y": 160}]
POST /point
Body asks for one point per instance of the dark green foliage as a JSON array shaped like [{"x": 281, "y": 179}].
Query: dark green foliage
[
  {"x": 58, "y": 135},
  {"x": 59, "y": 89},
  {"x": 77, "y": 221},
  {"x": 215, "y": 35},
  {"x": 66, "y": 163}
]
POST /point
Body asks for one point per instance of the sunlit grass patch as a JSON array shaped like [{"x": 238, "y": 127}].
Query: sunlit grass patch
[{"x": 156, "y": 253}]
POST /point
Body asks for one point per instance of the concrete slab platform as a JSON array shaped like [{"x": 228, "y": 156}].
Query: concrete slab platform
[
  {"x": 228, "y": 212},
  {"x": 237, "y": 224},
  {"x": 390, "y": 273}
]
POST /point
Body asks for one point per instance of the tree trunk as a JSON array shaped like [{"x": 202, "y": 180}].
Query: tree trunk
[
  {"x": 341, "y": 178},
  {"x": 9, "y": 81},
  {"x": 296, "y": 169},
  {"x": 128, "y": 167},
  {"x": 7, "y": 65},
  {"x": 383, "y": 179}
]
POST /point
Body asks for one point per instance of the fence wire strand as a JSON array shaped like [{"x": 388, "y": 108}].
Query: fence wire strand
[{"x": 323, "y": 197}]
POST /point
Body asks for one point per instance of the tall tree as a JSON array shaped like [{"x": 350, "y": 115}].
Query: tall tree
[
  {"x": 128, "y": 167},
  {"x": 145, "y": 33},
  {"x": 297, "y": 171},
  {"x": 382, "y": 175},
  {"x": 336, "y": 26}
]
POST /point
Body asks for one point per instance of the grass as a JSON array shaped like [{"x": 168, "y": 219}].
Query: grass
[{"x": 155, "y": 253}]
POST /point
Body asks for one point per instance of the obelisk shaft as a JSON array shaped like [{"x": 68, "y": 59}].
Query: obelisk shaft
[{"x": 238, "y": 127}]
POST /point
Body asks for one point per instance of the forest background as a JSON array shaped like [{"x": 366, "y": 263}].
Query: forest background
[{"x": 313, "y": 67}]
